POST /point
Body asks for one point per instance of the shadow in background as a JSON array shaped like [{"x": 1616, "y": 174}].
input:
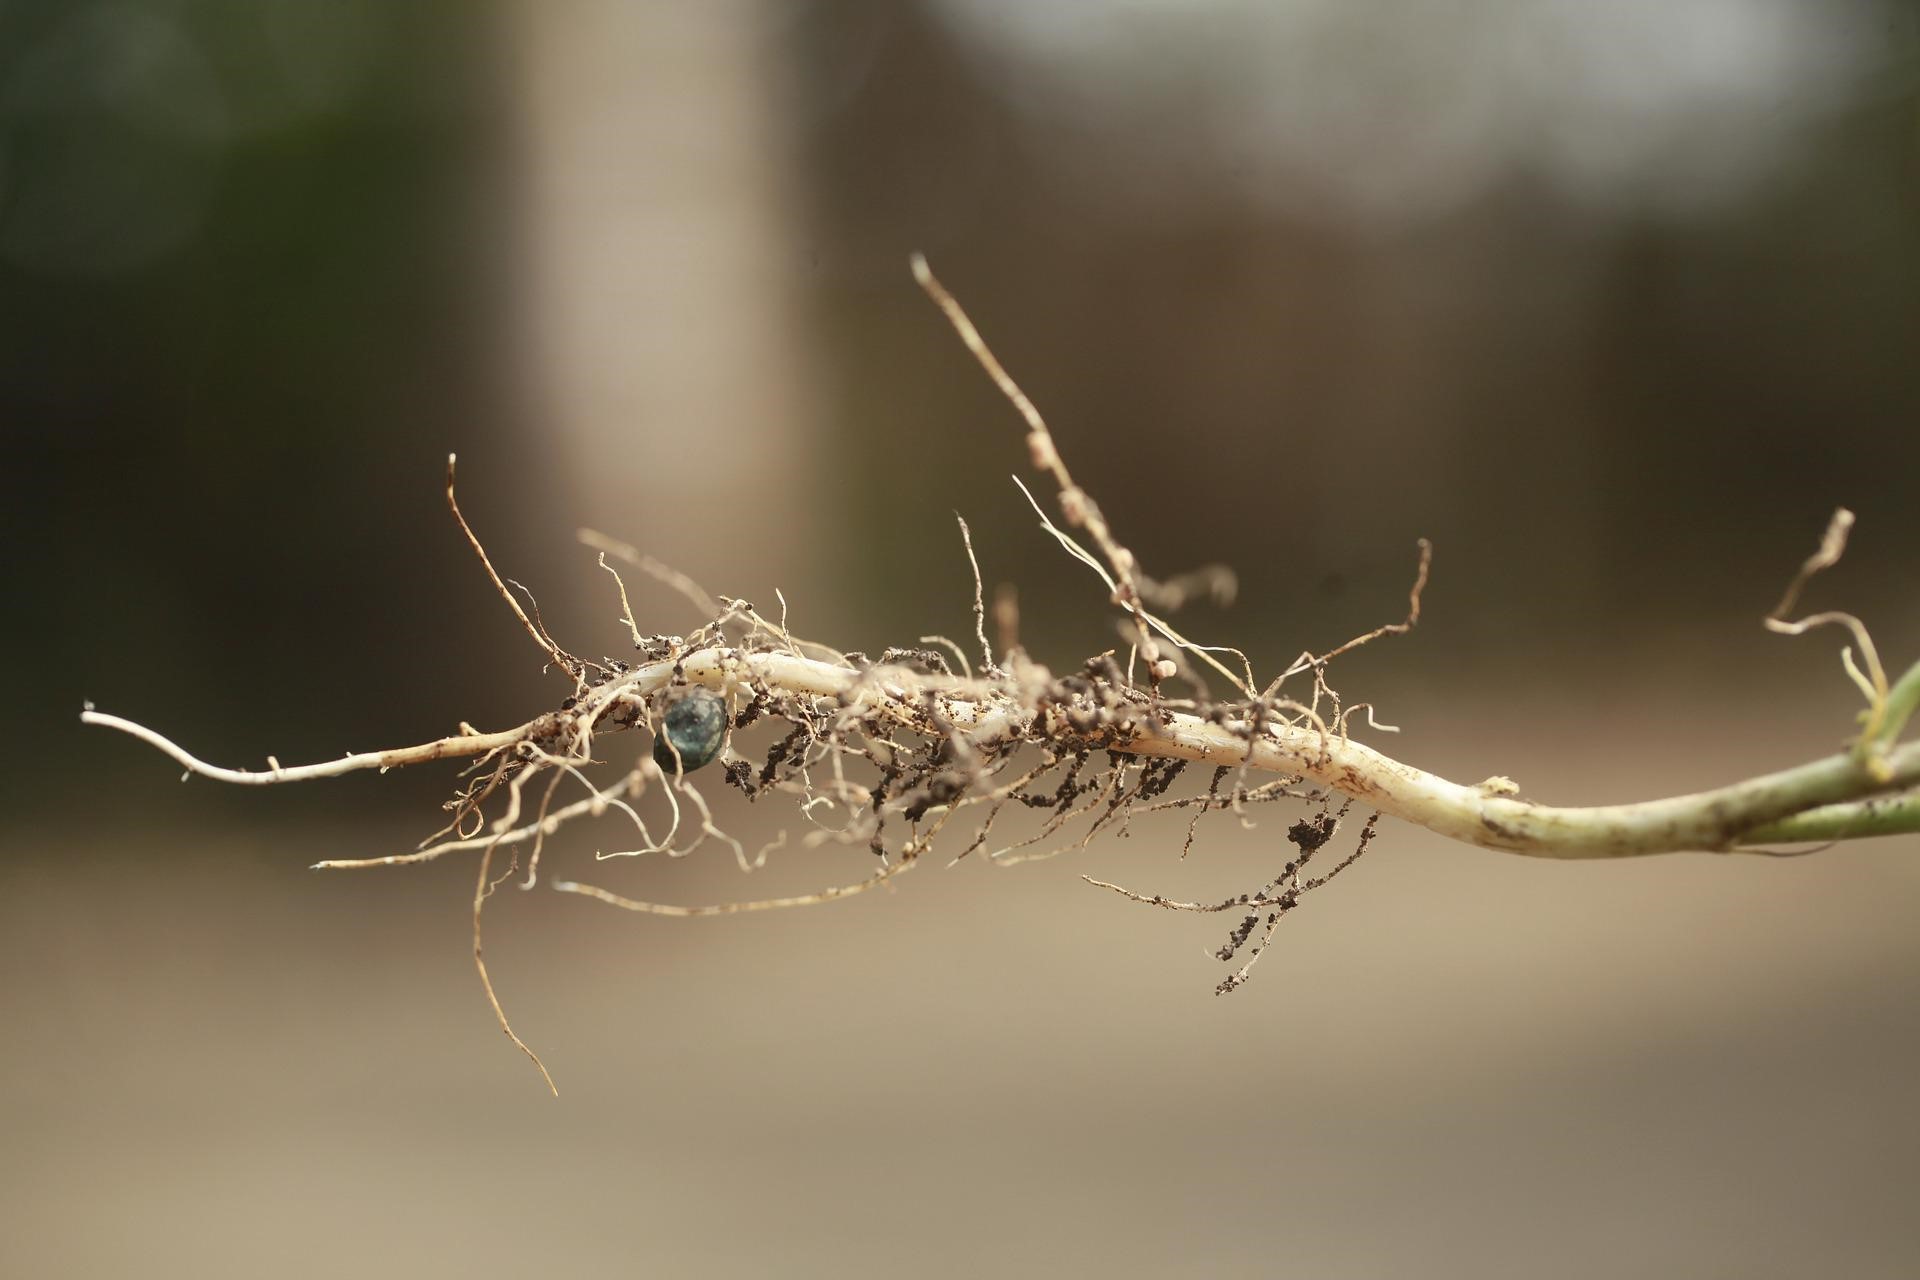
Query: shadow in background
[{"x": 253, "y": 291}]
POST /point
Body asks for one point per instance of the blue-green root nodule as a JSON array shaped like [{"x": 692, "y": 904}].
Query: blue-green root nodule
[{"x": 695, "y": 723}]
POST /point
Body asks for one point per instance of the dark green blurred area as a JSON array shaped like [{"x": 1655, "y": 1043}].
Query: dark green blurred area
[{"x": 251, "y": 270}]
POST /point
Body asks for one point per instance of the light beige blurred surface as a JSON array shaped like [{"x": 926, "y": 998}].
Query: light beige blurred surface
[
  {"x": 658, "y": 327},
  {"x": 1453, "y": 1063}
]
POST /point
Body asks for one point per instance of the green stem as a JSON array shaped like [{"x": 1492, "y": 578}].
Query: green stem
[
  {"x": 1722, "y": 820},
  {"x": 1899, "y": 707},
  {"x": 1882, "y": 816}
]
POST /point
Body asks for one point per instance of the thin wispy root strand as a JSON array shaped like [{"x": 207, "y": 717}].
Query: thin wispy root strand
[{"x": 1008, "y": 760}]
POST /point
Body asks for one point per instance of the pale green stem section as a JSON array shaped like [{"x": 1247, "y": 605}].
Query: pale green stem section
[
  {"x": 1881, "y": 816},
  {"x": 1902, "y": 699},
  {"x": 1722, "y": 820},
  {"x": 1807, "y": 802}
]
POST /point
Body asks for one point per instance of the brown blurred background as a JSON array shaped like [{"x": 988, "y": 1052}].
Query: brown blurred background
[{"x": 1613, "y": 302}]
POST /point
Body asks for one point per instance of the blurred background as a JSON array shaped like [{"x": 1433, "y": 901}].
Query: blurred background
[{"x": 1613, "y": 302}]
